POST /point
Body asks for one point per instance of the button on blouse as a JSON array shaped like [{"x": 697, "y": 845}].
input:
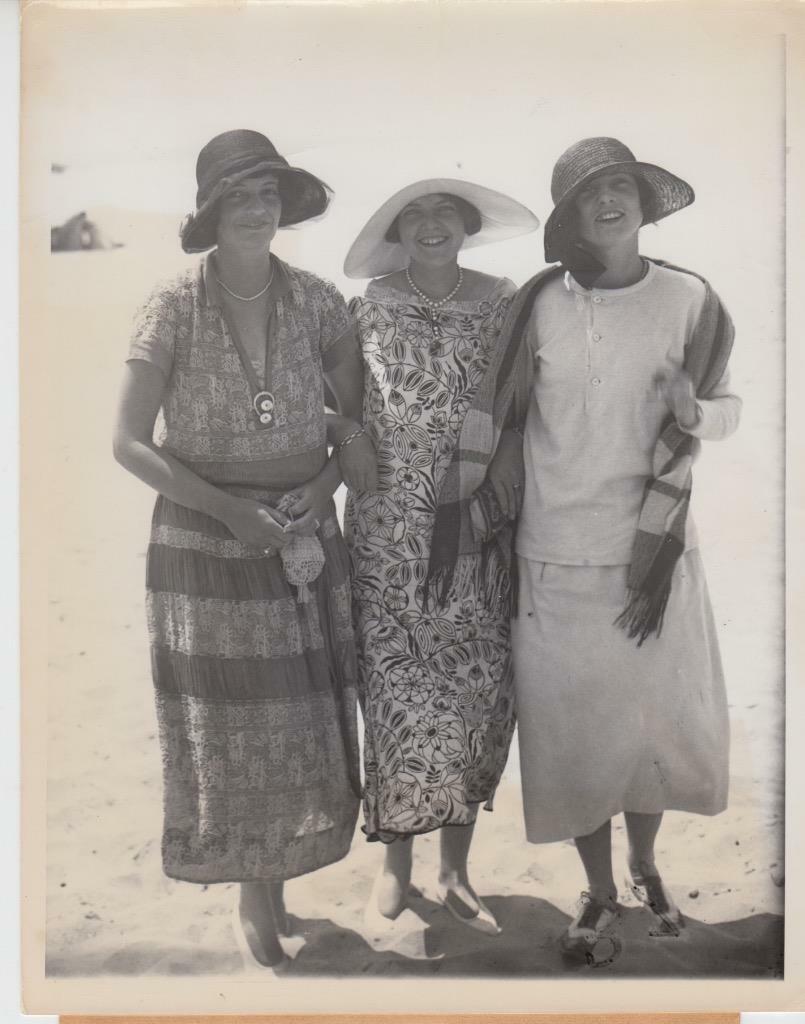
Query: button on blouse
[{"x": 595, "y": 412}]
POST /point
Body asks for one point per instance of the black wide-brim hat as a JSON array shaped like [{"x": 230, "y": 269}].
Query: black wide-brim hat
[
  {"x": 590, "y": 157},
  {"x": 233, "y": 157}
]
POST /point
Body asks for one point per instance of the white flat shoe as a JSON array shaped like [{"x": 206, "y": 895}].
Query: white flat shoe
[
  {"x": 251, "y": 948},
  {"x": 483, "y": 921}
]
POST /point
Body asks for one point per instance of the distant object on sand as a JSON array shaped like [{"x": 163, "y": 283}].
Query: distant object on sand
[{"x": 79, "y": 233}]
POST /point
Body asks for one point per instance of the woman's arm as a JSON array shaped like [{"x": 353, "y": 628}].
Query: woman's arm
[
  {"x": 356, "y": 462},
  {"x": 506, "y": 472},
  {"x": 709, "y": 419},
  {"x": 140, "y": 400},
  {"x": 357, "y": 459},
  {"x": 719, "y": 414}
]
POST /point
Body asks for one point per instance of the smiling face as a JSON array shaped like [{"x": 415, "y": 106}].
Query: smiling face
[
  {"x": 431, "y": 230},
  {"x": 609, "y": 212},
  {"x": 249, "y": 214}
]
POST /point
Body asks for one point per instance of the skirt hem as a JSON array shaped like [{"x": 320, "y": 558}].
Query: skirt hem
[
  {"x": 387, "y": 836},
  {"x": 236, "y": 879},
  {"x": 687, "y": 809}
]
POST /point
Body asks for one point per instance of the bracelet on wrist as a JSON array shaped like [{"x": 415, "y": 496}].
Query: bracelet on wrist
[{"x": 350, "y": 438}]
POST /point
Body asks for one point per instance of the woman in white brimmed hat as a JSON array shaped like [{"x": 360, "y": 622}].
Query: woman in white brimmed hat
[
  {"x": 621, "y": 703},
  {"x": 247, "y": 575},
  {"x": 436, "y": 682}
]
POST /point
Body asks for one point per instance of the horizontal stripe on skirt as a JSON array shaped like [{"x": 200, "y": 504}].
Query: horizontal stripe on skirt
[
  {"x": 242, "y": 679},
  {"x": 604, "y": 725},
  {"x": 256, "y": 701},
  {"x": 255, "y": 791}
]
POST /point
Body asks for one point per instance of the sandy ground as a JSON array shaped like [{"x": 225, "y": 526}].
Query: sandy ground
[{"x": 109, "y": 908}]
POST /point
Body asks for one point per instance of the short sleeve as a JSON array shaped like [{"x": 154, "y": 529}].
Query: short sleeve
[
  {"x": 505, "y": 289},
  {"x": 337, "y": 331},
  {"x": 156, "y": 325}
]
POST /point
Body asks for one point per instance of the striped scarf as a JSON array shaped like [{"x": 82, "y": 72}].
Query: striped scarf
[{"x": 458, "y": 561}]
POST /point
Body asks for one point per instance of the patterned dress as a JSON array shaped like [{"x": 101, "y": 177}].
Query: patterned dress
[
  {"x": 436, "y": 687},
  {"x": 255, "y": 689}
]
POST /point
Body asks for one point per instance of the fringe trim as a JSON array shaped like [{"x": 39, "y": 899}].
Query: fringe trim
[
  {"x": 646, "y": 603},
  {"x": 644, "y": 614},
  {"x": 485, "y": 575}
]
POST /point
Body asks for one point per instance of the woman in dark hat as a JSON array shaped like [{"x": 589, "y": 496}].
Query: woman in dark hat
[
  {"x": 247, "y": 574},
  {"x": 621, "y": 703},
  {"x": 436, "y": 682}
]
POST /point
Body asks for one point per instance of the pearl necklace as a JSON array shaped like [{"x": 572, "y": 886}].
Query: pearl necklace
[
  {"x": 247, "y": 298},
  {"x": 434, "y": 303}
]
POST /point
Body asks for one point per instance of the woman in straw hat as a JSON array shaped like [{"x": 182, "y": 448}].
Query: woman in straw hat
[
  {"x": 622, "y": 369},
  {"x": 247, "y": 575},
  {"x": 435, "y": 682}
]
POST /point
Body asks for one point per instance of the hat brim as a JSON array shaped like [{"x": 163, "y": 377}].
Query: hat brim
[
  {"x": 370, "y": 255},
  {"x": 670, "y": 195},
  {"x": 304, "y": 196}
]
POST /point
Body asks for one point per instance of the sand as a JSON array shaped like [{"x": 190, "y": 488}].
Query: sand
[{"x": 110, "y": 910}]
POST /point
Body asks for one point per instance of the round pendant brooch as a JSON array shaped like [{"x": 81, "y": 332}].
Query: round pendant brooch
[{"x": 263, "y": 404}]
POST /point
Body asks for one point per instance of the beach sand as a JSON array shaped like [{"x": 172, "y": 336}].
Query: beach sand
[{"x": 110, "y": 910}]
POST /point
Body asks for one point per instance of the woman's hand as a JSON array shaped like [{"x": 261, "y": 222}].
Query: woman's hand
[
  {"x": 256, "y": 525},
  {"x": 678, "y": 393},
  {"x": 310, "y": 506},
  {"x": 507, "y": 473},
  {"x": 358, "y": 464},
  {"x": 357, "y": 461}
]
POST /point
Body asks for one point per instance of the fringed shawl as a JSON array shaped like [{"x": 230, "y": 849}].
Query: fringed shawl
[{"x": 459, "y": 561}]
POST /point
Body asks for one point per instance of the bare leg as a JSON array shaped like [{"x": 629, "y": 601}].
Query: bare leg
[
  {"x": 642, "y": 830},
  {"x": 257, "y": 923},
  {"x": 648, "y": 885},
  {"x": 276, "y": 898},
  {"x": 453, "y": 876},
  {"x": 392, "y": 887},
  {"x": 598, "y": 912},
  {"x": 456, "y": 893},
  {"x": 595, "y": 851}
]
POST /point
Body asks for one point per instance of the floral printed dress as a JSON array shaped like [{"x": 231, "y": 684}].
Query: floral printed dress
[{"x": 436, "y": 686}]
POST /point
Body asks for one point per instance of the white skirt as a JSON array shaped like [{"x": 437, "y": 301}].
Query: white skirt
[{"x": 606, "y": 726}]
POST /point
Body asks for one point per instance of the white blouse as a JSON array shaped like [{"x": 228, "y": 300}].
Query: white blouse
[{"x": 596, "y": 413}]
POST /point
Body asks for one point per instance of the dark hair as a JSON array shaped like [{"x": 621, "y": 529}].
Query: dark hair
[
  {"x": 648, "y": 200},
  {"x": 470, "y": 214}
]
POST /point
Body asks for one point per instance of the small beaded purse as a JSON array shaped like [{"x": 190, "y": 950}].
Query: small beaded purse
[{"x": 302, "y": 558}]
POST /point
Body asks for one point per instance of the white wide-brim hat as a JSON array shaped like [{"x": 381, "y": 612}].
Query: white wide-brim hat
[{"x": 370, "y": 255}]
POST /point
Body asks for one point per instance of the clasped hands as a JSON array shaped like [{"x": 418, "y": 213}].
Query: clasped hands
[{"x": 259, "y": 526}]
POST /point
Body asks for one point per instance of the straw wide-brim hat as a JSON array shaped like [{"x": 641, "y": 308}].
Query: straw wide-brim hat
[
  {"x": 589, "y": 157},
  {"x": 370, "y": 255},
  {"x": 233, "y": 157}
]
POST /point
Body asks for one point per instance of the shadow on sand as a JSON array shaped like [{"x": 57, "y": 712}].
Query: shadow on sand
[{"x": 426, "y": 941}]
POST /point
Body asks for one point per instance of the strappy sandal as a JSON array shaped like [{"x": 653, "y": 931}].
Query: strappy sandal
[
  {"x": 650, "y": 890},
  {"x": 592, "y": 935}
]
